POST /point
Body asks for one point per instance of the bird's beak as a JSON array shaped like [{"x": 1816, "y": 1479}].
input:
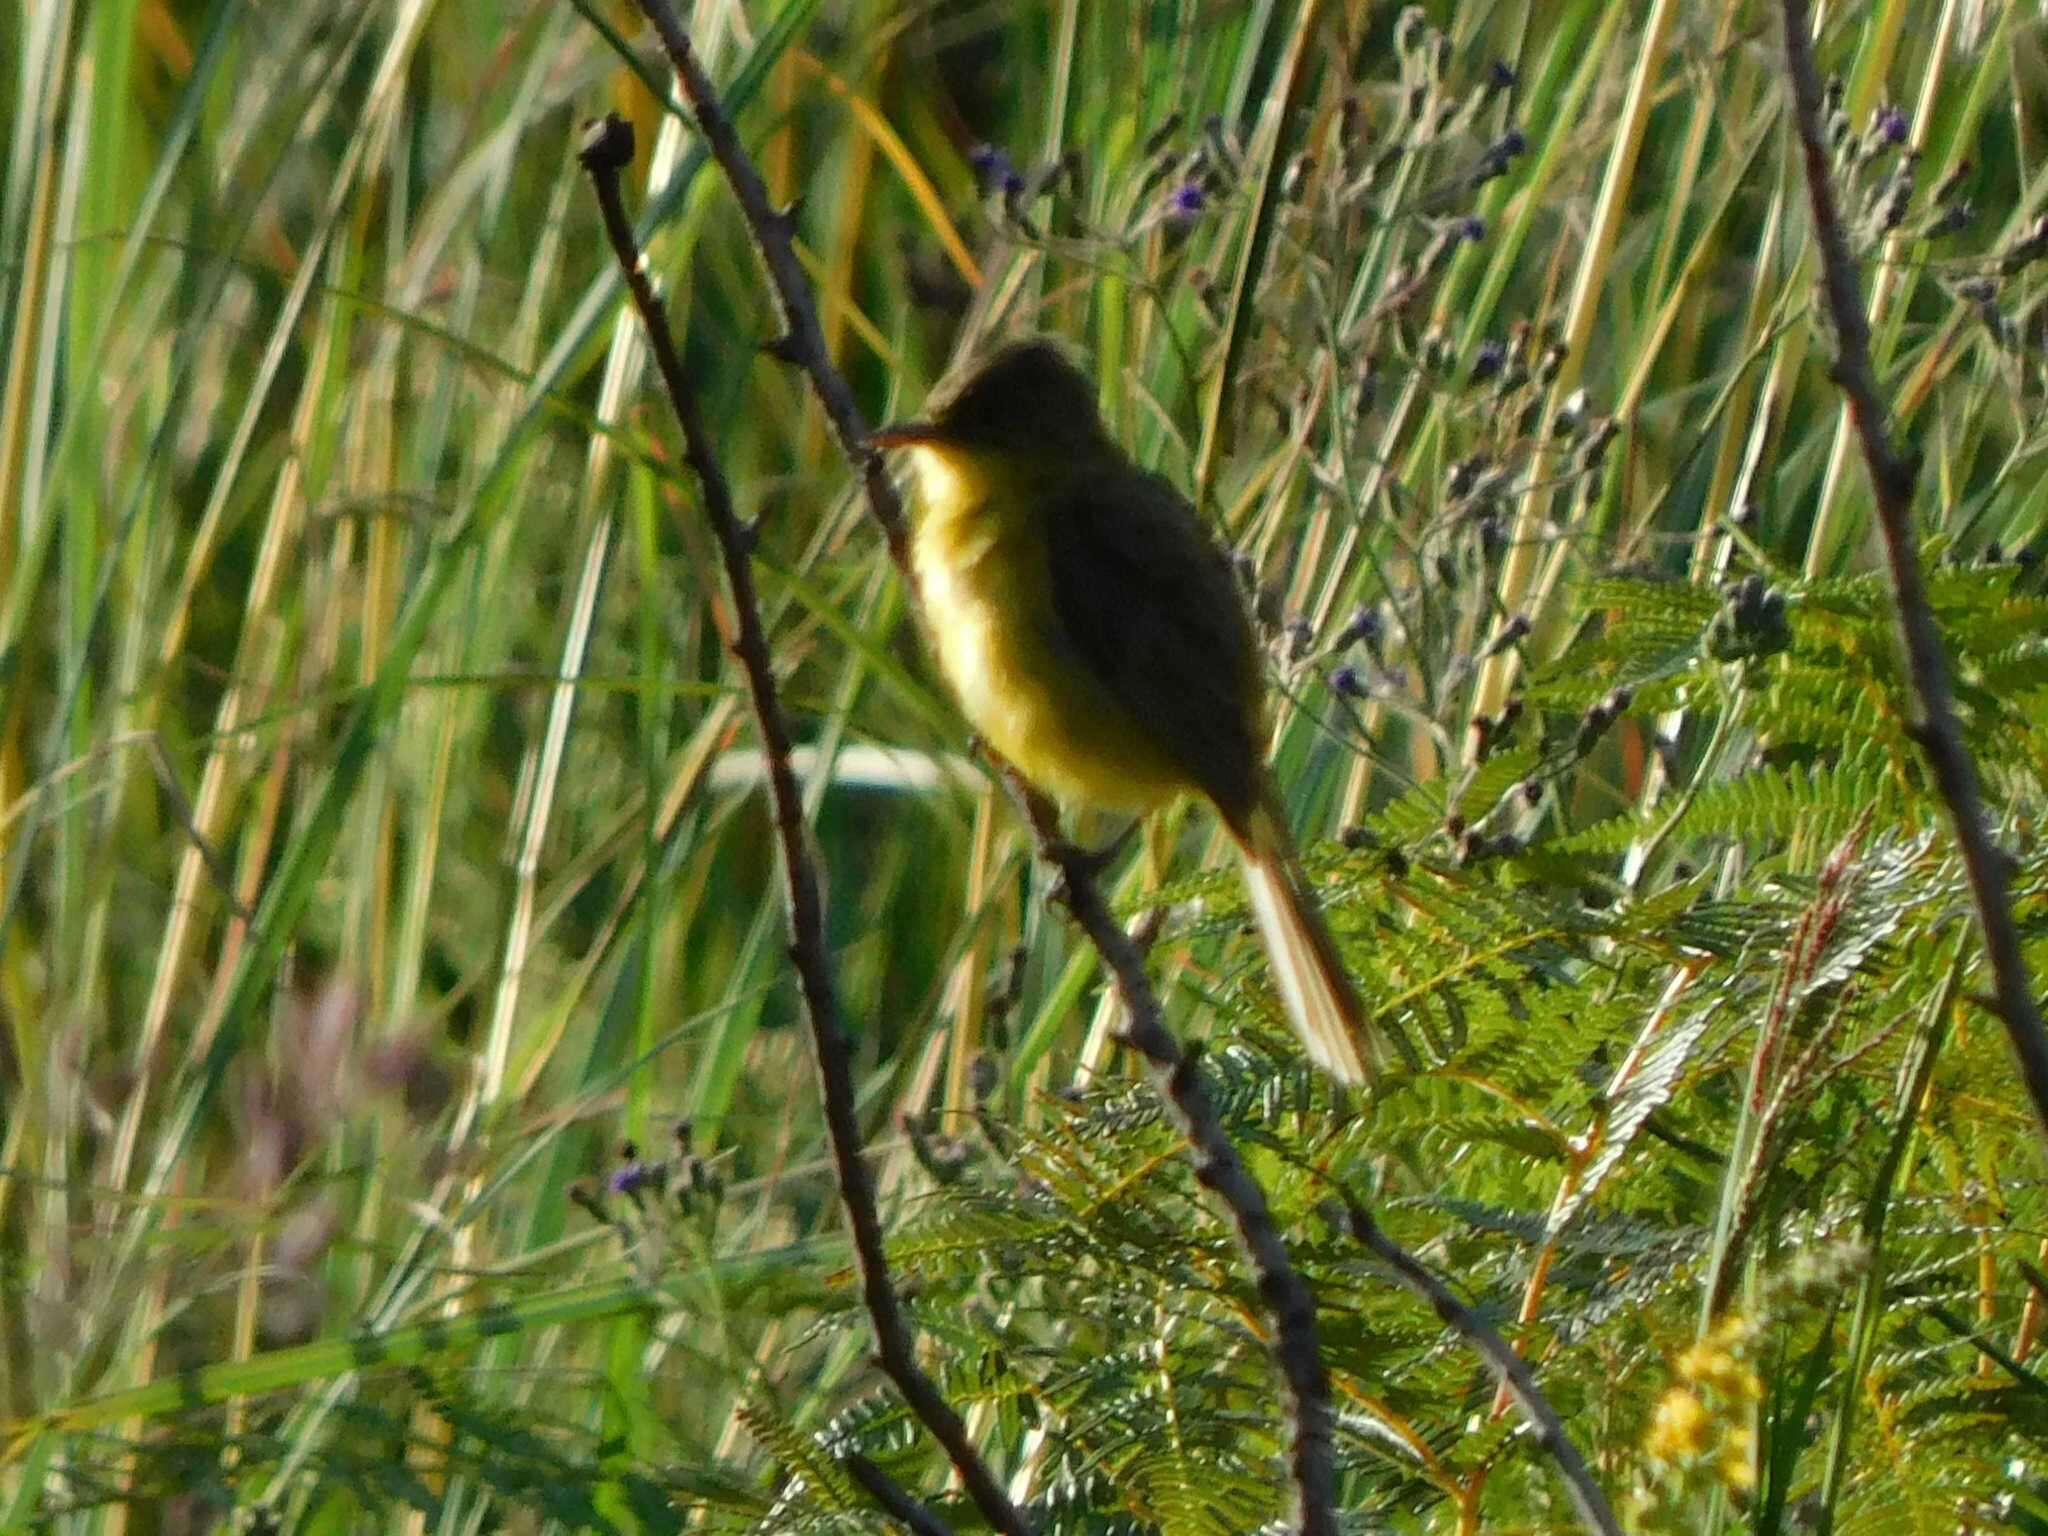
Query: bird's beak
[{"x": 904, "y": 434}]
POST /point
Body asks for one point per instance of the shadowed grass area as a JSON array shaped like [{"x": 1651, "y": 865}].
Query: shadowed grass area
[{"x": 382, "y": 844}]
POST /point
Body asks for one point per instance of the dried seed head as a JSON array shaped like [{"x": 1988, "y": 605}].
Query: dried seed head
[
  {"x": 1499, "y": 154},
  {"x": 1161, "y": 136},
  {"x": 1602, "y": 432},
  {"x": 1364, "y": 389},
  {"x": 983, "y": 1076},
  {"x": 1515, "y": 630},
  {"x": 1301, "y": 637},
  {"x": 1409, "y": 29},
  {"x": 1951, "y": 218}
]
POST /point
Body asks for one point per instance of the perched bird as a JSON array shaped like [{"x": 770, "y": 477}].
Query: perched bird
[{"x": 1096, "y": 640}]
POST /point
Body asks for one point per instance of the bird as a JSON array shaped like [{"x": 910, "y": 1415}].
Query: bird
[{"x": 1096, "y": 640}]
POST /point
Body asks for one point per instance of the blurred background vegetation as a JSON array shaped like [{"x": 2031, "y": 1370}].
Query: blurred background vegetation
[{"x": 403, "y": 1123}]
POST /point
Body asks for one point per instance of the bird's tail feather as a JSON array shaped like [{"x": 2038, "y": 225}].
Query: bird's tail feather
[{"x": 1308, "y": 972}]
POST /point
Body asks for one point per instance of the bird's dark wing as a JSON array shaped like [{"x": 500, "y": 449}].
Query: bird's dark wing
[{"x": 1149, "y": 604}]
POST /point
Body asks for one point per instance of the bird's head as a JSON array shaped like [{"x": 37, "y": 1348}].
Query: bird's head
[{"x": 1028, "y": 400}]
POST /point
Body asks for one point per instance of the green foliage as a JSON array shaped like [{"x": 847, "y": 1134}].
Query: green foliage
[{"x": 380, "y": 843}]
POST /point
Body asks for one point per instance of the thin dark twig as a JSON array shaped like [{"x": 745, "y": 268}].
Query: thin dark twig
[
  {"x": 1892, "y": 474},
  {"x": 802, "y": 341},
  {"x": 607, "y": 149},
  {"x": 1175, "y": 1074},
  {"x": 1509, "y": 1368},
  {"x": 896, "y": 1504}
]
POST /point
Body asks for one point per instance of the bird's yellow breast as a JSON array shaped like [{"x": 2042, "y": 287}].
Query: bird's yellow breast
[{"x": 981, "y": 558}]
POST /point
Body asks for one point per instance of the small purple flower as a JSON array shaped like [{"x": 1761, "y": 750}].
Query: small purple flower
[
  {"x": 1487, "y": 362},
  {"x": 1349, "y": 682},
  {"x": 1891, "y": 124},
  {"x": 1472, "y": 229},
  {"x": 630, "y": 1177},
  {"x": 1364, "y": 626},
  {"x": 1186, "y": 205},
  {"x": 1510, "y": 144},
  {"x": 992, "y": 167},
  {"x": 1500, "y": 75}
]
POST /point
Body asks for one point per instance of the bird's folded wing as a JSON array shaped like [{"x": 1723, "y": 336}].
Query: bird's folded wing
[{"x": 1148, "y": 604}]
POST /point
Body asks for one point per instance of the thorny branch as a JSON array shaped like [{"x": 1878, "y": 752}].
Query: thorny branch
[
  {"x": 607, "y": 149},
  {"x": 1513, "y": 1372},
  {"x": 1892, "y": 474},
  {"x": 1218, "y": 1168},
  {"x": 802, "y": 342}
]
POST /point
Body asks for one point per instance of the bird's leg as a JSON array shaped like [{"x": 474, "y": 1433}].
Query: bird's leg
[
  {"x": 1071, "y": 858},
  {"x": 1045, "y": 817}
]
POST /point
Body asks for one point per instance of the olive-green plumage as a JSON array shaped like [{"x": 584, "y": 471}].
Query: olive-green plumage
[{"x": 1096, "y": 640}]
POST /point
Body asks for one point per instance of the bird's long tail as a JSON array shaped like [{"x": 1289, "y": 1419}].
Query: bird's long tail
[{"x": 1307, "y": 970}]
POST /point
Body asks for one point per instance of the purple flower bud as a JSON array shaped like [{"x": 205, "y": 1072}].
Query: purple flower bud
[
  {"x": 990, "y": 164},
  {"x": 1500, "y": 75},
  {"x": 1348, "y": 682},
  {"x": 1013, "y": 183},
  {"x": 1488, "y": 360},
  {"x": 1472, "y": 229},
  {"x": 1364, "y": 625},
  {"x": 1187, "y": 203},
  {"x": 1495, "y": 161},
  {"x": 629, "y": 1177},
  {"x": 1891, "y": 124}
]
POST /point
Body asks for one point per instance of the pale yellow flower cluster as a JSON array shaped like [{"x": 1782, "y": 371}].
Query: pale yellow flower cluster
[{"x": 1702, "y": 1422}]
